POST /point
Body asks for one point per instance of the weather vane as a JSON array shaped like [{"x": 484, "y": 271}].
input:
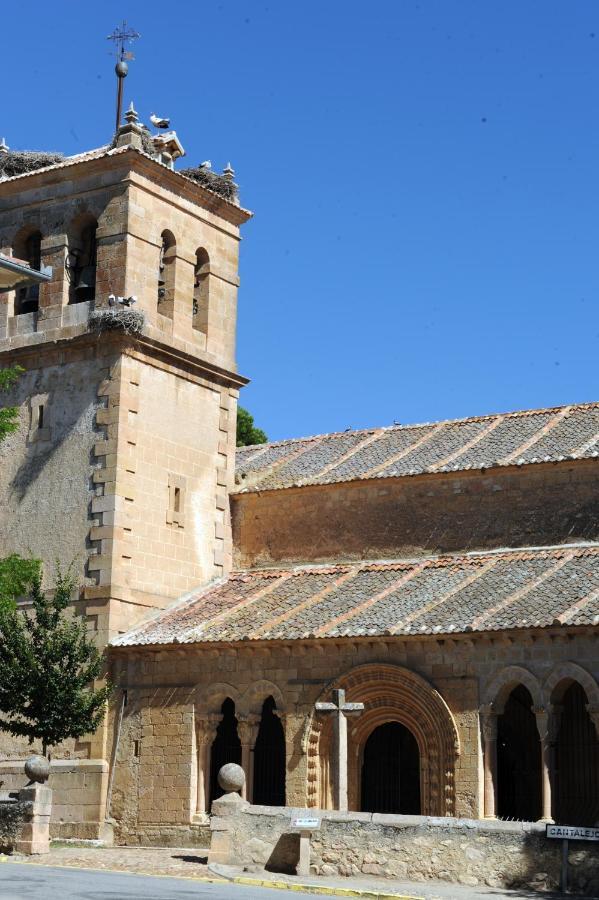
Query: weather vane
[{"x": 122, "y": 35}]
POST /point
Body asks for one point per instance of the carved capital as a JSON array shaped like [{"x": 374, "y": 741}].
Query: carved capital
[
  {"x": 548, "y": 722},
  {"x": 247, "y": 729},
  {"x": 488, "y": 723},
  {"x": 206, "y": 729}
]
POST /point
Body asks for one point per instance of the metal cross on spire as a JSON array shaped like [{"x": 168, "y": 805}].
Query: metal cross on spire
[{"x": 121, "y": 36}]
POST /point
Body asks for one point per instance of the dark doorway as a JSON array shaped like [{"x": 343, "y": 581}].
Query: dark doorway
[
  {"x": 269, "y": 759},
  {"x": 391, "y": 771},
  {"x": 518, "y": 759},
  {"x": 576, "y": 763},
  {"x": 226, "y": 747}
]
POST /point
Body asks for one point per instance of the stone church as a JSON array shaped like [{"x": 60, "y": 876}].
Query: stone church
[{"x": 439, "y": 581}]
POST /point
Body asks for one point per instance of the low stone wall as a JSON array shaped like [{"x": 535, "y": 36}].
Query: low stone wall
[
  {"x": 415, "y": 848},
  {"x": 79, "y": 789},
  {"x": 143, "y": 835}
]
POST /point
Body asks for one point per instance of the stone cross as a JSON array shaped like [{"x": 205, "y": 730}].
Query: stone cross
[{"x": 340, "y": 710}]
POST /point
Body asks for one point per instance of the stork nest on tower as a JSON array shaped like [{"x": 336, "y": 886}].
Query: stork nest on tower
[
  {"x": 213, "y": 181},
  {"x": 20, "y": 162},
  {"x": 131, "y": 321}
]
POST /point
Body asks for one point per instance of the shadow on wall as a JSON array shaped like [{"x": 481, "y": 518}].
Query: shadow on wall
[
  {"x": 54, "y": 410},
  {"x": 285, "y": 855}
]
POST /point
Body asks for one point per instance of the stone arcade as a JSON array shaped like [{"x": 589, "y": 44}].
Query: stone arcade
[{"x": 444, "y": 577}]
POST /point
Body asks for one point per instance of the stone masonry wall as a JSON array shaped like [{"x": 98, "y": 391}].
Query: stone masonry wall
[
  {"x": 79, "y": 795},
  {"x": 172, "y": 692},
  {"x": 46, "y": 473},
  {"x": 418, "y": 516},
  {"x": 415, "y": 848}
]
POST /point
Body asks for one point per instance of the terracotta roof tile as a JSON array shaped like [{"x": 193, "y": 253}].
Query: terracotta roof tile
[
  {"x": 509, "y": 589},
  {"x": 519, "y": 438}
]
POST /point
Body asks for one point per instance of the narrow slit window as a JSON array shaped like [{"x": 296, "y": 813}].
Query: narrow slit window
[
  {"x": 40, "y": 416},
  {"x": 175, "y": 514}
]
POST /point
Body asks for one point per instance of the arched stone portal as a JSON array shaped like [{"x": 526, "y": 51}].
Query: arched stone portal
[
  {"x": 390, "y": 694},
  {"x": 390, "y": 780}
]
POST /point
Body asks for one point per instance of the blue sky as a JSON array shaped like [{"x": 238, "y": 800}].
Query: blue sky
[{"x": 424, "y": 176}]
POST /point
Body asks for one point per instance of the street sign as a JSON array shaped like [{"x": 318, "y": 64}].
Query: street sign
[
  {"x": 572, "y": 833},
  {"x": 306, "y": 824}
]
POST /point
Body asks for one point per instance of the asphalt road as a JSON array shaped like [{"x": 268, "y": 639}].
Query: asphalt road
[{"x": 29, "y": 882}]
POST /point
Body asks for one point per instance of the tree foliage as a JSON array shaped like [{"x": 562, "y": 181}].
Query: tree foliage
[
  {"x": 247, "y": 433},
  {"x": 16, "y": 577},
  {"x": 47, "y": 668},
  {"x": 9, "y": 415}
]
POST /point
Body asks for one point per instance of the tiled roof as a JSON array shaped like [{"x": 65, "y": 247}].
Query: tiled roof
[
  {"x": 441, "y": 595},
  {"x": 517, "y": 438}
]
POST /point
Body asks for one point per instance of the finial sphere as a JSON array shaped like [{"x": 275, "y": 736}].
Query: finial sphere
[
  {"x": 121, "y": 68},
  {"x": 231, "y": 777},
  {"x": 37, "y": 768}
]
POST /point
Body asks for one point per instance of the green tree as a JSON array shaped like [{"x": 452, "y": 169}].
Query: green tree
[
  {"x": 16, "y": 577},
  {"x": 47, "y": 668},
  {"x": 9, "y": 415},
  {"x": 247, "y": 433}
]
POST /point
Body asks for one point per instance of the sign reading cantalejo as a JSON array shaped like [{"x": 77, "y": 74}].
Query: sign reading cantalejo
[
  {"x": 572, "y": 833},
  {"x": 306, "y": 824}
]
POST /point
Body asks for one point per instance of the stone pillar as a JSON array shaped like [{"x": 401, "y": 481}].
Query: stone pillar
[
  {"x": 547, "y": 723},
  {"x": 225, "y": 812},
  {"x": 205, "y": 737},
  {"x": 34, "y": 837},
  {"x": 489, "y": 731},
  {"x": 247, "y": 728}
]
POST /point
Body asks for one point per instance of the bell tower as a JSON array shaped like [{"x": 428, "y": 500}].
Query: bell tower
[{"x": 124, "y": 456}]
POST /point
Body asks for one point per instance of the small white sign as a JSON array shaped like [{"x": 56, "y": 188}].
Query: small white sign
[
  {"x": 572, "y": 833},
  {"x": 306, "y": 824}
]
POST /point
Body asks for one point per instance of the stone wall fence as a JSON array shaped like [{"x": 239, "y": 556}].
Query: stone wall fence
[
  {"x": 415, "y": 848},
  {"x": 25, "y": 814}
]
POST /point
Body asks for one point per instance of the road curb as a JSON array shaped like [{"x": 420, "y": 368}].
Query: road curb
[{"x": 321, "y": 889}]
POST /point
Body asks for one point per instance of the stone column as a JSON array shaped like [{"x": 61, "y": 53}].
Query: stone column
[
  {"x": 547, "y": 724},
  {"x": 489, "y": 731},
  {"x": 205, "y": 737},
  {"x": 35, "y": 832},
  {"x": 247, "y": 729}
]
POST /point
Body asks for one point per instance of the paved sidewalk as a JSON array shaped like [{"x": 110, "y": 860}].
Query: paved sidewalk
[{"x": 182, "y": 863}]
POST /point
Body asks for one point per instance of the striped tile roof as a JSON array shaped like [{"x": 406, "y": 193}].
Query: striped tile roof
[
  {"x": 517, "y": 438},
  {"x": 493, "y": 591}
]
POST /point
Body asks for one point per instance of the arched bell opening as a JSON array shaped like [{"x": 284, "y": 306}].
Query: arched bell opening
[
  {"x": 82, "y": 257},
  {"x": 269, "y": 758},
  {"x": 576, "y": 792},
  {"x": 518, "y": 759},
  {"x": 390, "y": 772},
  {"x": 201, "y": 291},
  {"x": 167, "y": 257},
  {"x": 28, "y": 247},
  {"x": 226, "y": 747}
]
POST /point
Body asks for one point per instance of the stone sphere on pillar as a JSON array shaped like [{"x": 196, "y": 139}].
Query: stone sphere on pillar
[
  {"x": 231, "y": 777},
  {"x": 37, "y": 768}
]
